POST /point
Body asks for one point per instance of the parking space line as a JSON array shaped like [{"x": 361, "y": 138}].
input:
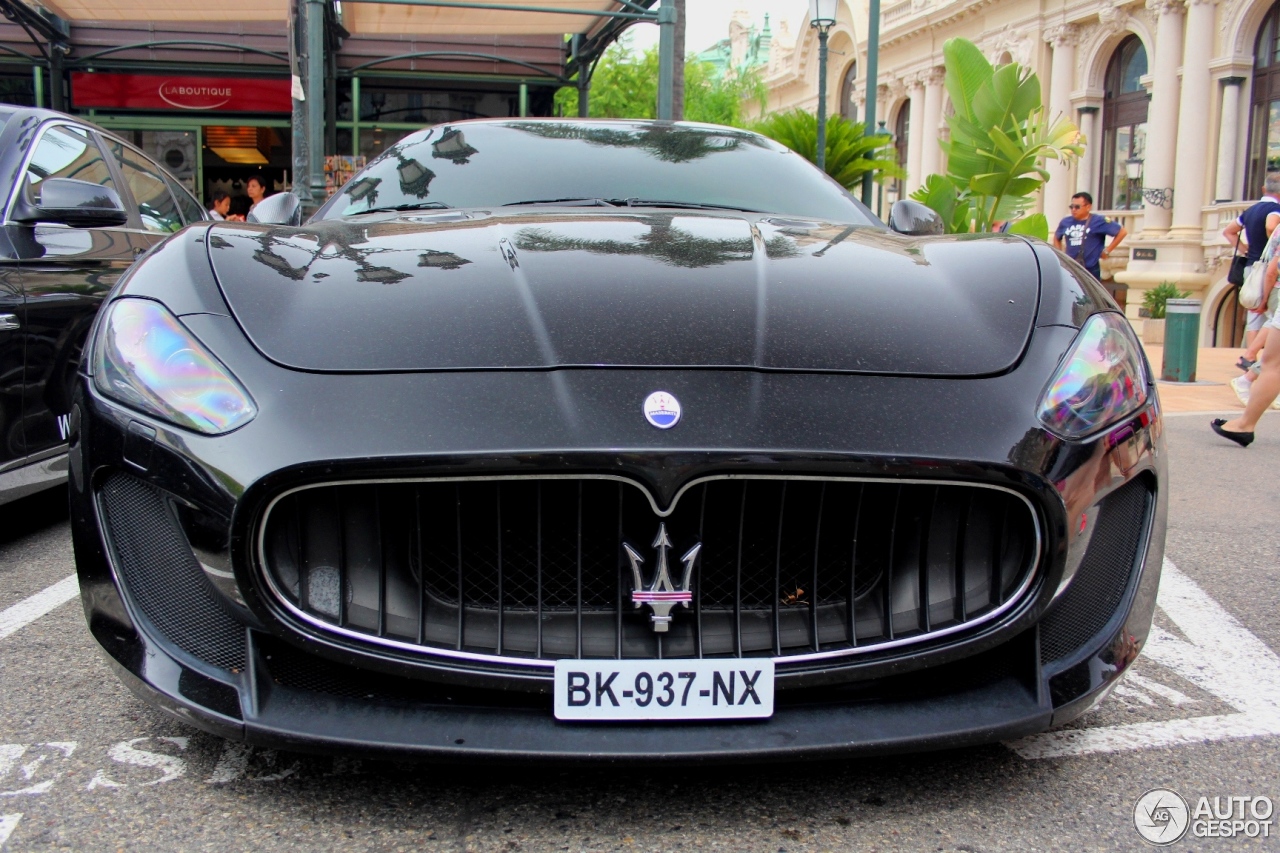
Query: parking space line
[
  {"x": 30, "y": 609},
  {"x": 1220, "y": 656},
  {"x": 8, "y": 822}
]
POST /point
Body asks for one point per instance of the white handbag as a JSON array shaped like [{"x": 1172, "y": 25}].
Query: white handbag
[{"x": 1251, "y": 291}]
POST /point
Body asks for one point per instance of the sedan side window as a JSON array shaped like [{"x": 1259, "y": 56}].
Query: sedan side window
[
  {"x": 66, "y": 152},
  {"x": 155, "y": 203},
  {"x": 191, "y": 209}
]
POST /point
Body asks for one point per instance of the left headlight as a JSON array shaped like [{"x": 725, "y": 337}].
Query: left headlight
[
  {"x": 146, "y": 359},
  {"x": 1100, "y": 382}
]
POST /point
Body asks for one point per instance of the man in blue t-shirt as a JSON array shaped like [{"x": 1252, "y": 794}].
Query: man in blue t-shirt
[{"x": 1083, "y": 234}]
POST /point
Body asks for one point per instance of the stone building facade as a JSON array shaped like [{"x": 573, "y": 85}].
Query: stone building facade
[{"x": 1182, "y": 94}]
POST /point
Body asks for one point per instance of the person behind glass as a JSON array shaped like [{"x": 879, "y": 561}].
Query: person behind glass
[
  {"x": 221, "y": 204},
  {"x": 1083, "y": 234},
  {"x": 239, "y": 208},
  {"x": 257, "y": 187}
]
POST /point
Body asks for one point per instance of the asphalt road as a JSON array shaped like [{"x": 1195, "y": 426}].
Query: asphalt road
[{"x": 86, "y": 766}]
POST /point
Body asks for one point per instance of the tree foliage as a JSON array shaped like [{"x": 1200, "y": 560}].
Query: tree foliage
[
  {"x": 1001, "y": 136},
  {"x": 850, "y": 152},
  {"x": 625, "y": 85}
]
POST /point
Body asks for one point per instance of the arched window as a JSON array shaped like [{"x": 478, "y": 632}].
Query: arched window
[
  {"x": 847, "y": 107},
  {"x": 1264, "y": 125},
  {"x": 1124, "y": 125}
]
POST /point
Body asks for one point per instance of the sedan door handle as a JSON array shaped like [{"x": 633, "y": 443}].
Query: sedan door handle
[{"x": 9, "y": 322}]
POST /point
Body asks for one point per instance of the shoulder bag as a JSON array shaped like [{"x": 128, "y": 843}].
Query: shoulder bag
[
  {"x": 1235, "y": 275},
  {"x": 1251, "y": 292}
]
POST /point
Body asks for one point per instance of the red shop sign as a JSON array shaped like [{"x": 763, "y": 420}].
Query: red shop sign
[{"x": 156, "y": 92}]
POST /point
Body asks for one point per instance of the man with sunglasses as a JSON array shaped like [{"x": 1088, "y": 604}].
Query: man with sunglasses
[{"x": 1083, "y": 234}]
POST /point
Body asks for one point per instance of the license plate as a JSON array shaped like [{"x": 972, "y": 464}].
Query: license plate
[{"x": 664, "y": 689}]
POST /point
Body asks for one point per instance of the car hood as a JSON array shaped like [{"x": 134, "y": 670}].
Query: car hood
[{"x": 591, "y": 287}]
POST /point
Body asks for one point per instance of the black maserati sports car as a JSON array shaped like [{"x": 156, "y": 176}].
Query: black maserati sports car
[{"x": 614, "y": 440}]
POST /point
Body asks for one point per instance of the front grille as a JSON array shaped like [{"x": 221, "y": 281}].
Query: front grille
[{"x": 538, "y": 569}]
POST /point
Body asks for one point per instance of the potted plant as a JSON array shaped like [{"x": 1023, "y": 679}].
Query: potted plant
[{"x": 1153, "y": 303}]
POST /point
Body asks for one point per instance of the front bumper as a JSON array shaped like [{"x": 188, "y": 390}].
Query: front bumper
[{"x": 266, "y": 687}]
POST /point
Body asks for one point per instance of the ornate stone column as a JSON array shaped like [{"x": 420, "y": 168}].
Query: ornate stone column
[
  {"x": 1175, "y": 146},
  {"x": 1088, "y": 180},
  {"x": 1191, "y": 169},
  {"x": 915, "y": 134},
  {"x": 1228, "y": 139},
  {"x": 1062, "y": 37},
  {"x": 1162, "y": 118},
  {"x": 931, "y": 124}
]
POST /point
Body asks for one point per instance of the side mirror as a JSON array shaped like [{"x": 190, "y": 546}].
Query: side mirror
[
  {"x": 79, "y": 204},
  {"x": 279, "y": 209},
  {"x": 913, "y": 218}
]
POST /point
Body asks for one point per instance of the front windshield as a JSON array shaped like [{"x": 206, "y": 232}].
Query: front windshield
[{"x": 492, "y": 164}]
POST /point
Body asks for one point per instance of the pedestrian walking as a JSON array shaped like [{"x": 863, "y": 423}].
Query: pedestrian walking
[
  {"x": 1253, "y": 228},
  {"x": 1083, "y": 234}
]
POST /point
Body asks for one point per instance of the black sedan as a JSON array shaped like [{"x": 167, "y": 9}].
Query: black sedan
[
  {"x": 614, "y": 440},
  {"x": 80, "y": 206}
]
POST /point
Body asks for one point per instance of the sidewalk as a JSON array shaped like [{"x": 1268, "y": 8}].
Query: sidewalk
[{"x": 1213, "y": 364}]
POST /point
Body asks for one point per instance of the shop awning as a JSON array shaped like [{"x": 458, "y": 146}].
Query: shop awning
[{"x": 501, "y": 17}]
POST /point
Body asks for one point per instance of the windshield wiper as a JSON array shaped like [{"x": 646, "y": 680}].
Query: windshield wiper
[
  {"x": 417, "y": 205},
  {"x": 689, "y": 205},
  {"x": 569, "y": 202}
]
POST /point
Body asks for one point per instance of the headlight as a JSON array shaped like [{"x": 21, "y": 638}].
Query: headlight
[
  {"x": 146, "y": 359},
  {"x": 1099, "y": 382}
]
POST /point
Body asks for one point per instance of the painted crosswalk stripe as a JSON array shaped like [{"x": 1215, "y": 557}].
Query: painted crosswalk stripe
[{"x": 30, "y": 609}]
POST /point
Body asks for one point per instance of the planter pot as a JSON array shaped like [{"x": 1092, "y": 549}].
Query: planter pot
[{"x": 1153, "y": 332}]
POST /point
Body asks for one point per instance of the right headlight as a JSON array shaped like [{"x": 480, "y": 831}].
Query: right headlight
[
  {"x": 145, "y": 358},
  {"x": 1100, "y": 382}
]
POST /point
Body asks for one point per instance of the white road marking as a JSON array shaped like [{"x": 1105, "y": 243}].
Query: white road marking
[
  {"x": 37, "y": 754},
  {"x": 1174, "y": 697},
  {"x": 8, "y": 822},
  {"x": 1219, "y": 655},
  {"x": 232, "y": 764},
  {"x": 127, "y": 752},
  {"x": 30, "y": 609}
]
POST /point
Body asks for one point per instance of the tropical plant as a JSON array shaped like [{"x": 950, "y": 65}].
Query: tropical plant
[
  {"x": 1154, "y": 299},
  {"x": 625, "y": 85},
  {"x": 850, "y": 152},
  {"x": 1001, "y": 135}
]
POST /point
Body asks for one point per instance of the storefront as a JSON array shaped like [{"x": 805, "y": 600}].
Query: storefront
[{"x": 213, "y": 102}]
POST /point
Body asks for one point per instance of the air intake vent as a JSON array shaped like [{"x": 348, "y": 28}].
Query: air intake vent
[
  {"x": 1108, "y": 567},
  {"x": 161, "y": 577}
]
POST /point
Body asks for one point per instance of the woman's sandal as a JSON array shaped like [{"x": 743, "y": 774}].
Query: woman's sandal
[
  {"x": 1244, "y": 363},
  {"x": 1244, "y": 439}
]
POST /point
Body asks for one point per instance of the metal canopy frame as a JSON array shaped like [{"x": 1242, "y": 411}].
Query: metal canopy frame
[
  {"x": 310, "y": 21},
  {"x": 314, "y": 38}
]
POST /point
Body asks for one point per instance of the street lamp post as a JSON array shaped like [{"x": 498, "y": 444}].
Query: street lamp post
[
  {"x": 822, "y": 15},
  {"x": 873, "y": 62}
]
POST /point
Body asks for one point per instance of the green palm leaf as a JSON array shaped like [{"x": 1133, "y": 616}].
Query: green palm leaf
[{"x": 1000, "y": 138}]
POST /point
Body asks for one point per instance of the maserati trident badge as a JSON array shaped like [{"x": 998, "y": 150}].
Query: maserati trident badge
[
  {"x": 662, "y": 410},
  {"x": 662, "y": 595}
]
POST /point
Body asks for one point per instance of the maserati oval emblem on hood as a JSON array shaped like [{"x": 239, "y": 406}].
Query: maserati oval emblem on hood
[{"x": 662, "y": 410}]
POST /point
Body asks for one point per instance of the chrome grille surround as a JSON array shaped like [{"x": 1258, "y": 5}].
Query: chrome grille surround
[{"x": 290, "y": 600}]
